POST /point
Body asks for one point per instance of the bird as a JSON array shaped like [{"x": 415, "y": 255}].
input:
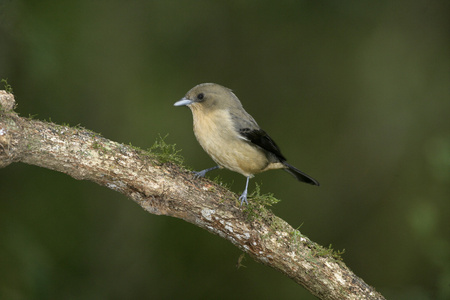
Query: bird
[{"x": 231, "y": 136}]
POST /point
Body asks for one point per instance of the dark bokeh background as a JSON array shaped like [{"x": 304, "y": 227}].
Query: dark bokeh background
[{"x": 356, "y": 94}]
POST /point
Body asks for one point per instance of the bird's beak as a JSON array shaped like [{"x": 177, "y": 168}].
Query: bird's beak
[{"x": 183, "y": 101}]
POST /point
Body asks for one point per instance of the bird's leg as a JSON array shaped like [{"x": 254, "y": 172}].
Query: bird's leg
[
  {"x": 203, "y": 172},
  {"x": 243, "y": 197}
]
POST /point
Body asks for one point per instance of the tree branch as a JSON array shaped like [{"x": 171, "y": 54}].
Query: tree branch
[{"x": 168, "y": 189}]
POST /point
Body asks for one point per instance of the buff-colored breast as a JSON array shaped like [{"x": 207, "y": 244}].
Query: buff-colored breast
[{"x": 215, "y": 133}]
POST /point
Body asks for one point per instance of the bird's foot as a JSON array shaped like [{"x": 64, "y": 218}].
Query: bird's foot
[
  {"x": 243, "y": 198},
  {"x": 199, "y": 174},
  {"x": 203, "y": 172}
]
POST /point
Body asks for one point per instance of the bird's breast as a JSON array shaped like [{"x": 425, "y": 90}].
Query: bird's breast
[{"x": 216, "y": 133}]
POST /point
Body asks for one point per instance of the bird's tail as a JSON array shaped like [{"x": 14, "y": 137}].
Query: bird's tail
[{"x": 300, "y": 175}]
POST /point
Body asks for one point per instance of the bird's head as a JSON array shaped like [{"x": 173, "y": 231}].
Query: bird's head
[{"x": 209, "y": 96}]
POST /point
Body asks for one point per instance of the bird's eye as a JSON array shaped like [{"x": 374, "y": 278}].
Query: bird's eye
[{"x": 200, "y": 96}]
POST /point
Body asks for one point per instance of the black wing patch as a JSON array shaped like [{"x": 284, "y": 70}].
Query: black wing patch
[{"x": 261, "y": 139}]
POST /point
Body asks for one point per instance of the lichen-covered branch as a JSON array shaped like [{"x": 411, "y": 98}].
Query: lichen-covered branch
[{"x": 165, "y": 188}]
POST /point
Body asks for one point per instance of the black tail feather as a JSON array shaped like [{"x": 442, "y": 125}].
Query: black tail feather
[{"x": 300, "y": 175}]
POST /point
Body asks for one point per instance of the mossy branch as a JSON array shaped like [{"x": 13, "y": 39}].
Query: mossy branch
[{"x": 160, "y": 186}]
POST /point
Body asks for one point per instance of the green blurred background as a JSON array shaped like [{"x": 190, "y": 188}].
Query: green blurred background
[{"x": 356, "y": 94}]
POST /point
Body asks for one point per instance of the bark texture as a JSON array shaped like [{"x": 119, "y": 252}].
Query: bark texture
[{"x": 165, "y": 188}]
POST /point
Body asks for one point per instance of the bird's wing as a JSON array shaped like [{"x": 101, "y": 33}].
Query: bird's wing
[
  {"x": 249, "y": 130},
  {"x": 261, "y": 139}
]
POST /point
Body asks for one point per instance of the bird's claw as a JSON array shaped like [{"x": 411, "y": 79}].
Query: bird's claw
[
  {"x": 243, "y": 198},
  {"x": 200, "y": 174}
]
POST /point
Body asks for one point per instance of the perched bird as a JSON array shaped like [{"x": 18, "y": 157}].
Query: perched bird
[{"x": 232, "y": 137}]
